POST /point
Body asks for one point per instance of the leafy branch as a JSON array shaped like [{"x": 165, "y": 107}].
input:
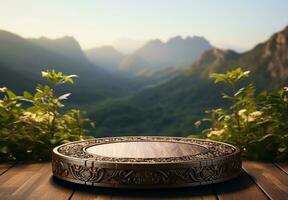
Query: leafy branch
[
  {"x": 256, "y": 123},
  {"x": 32, "y": 124}
]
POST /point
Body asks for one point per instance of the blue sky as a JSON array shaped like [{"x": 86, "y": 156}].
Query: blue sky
[{"x": 226, "y": 23}]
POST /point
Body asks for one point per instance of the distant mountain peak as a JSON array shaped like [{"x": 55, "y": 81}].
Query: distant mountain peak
[
  {"x": 180, "y": 39},
  {"x": 268, "y": 60},
  {"x": 10, "y": 36},
  {"x": 68, "y": 39},
  {"x": 104, "y": 49},
  {"x": 275, "y": 52},
  {"x": 217, "y": 54},
  {"x": 175, "y": 52},
  {"x": 152, "y": 43},
  {"x": 278, "y": 42},
  {"x": 177, "y": 38},
  {"x": 211, "y": 56},
  {"x": 66, "y": 45},
  {"x": 195, "y": 37},
  {"x": 105, "y": 56}
]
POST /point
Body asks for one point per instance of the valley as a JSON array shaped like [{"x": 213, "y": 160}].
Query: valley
[{"x": 160, "y": 89}]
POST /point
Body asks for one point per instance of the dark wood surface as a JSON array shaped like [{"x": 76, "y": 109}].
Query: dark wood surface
[{"x": 34, "y": 181}]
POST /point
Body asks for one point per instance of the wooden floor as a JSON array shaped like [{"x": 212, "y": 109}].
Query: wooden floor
[{"x": 34, "y": 181}]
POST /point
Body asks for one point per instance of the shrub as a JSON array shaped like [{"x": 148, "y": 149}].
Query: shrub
[
  {"x": 257, "y": 123},
  {"x": 32, "y": 124}
]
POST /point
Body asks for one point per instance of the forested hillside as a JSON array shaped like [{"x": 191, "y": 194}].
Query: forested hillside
[
  {"x": 169, "y": 104},
  {"x": 173, "y": 107},
  {"x": 22, "y": 60}
]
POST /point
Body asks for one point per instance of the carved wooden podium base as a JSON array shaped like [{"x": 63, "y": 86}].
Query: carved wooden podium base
[{"x": 146, "y": 162}]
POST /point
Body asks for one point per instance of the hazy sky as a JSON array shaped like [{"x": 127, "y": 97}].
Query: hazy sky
[{"x": 226, "y": 23}]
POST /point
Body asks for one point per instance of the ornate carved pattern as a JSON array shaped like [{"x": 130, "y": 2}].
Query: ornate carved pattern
[
  {"x": 92, "y": 174},
  {"x": 214, "y": 149},
  {"x": 59, "y": 168},
  {"x": 189, "y": 175},
  {"x": 216, "y": 163}
]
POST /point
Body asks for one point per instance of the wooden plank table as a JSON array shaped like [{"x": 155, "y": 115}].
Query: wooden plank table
[{"x": 34, "y": 181}]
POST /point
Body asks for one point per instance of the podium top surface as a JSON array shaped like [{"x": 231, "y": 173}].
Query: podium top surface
[{"x": 145, "y": 149}]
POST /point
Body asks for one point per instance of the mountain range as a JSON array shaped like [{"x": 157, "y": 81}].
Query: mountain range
[
  {"x": 160, "y": 89},
  {"x": 22, "y": 60},
  {"x": 66, "y": 46},
  {"x": 152, "y": 57},
  {"x": 171, "y": 108},
  {"x": 105, "y": 56},
  {"x": 267, "y": 61}
]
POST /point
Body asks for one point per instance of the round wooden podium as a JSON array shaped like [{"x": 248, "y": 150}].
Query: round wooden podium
[{"x": 146, "y": 162}]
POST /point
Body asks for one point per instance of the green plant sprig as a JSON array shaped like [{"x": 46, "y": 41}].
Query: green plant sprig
[
  {"x": 255, "y": 123},
  {"x": 30, "y": 131}
]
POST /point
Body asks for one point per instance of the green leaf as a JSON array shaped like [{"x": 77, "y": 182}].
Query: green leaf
[
  {"x": 53, "y": 141},
  {"x": 64, "y": 96},
  {"x": 72, "y": 76},
  {"x": 27, "y": 96},
  {"x": 44, "y": 74},
  {"x": 265, "y": 137},
  {"x": 11, "y": 94},
  {"x": 68, "y": 80},
  {"x": 218, "y": 77},
  {"x": 4, "y": 149},
  {"x": 240, "y": 91},
  {"x": 282, "y": 149},
  {"x": 226, "y": 96}
]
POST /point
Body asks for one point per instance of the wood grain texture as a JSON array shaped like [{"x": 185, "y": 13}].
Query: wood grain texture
[
  {"x": 198, "y": 193},
  {"x": 202, "y": 192},
  {"x": 32, "y": 181},
  {"x": 146, "y": 149},
  {"x": 4, "y": 168},
  {"x": 238, "y": 189},
  {"x": 87, "y": 196},
  {"x": 283, "y": 166},
  {"x": 272, "y": 180}
]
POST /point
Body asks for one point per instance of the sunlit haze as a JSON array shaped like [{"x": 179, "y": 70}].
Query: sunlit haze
[{"x": 238, "y": 24}]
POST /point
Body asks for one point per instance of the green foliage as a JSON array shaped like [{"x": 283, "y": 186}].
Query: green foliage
[
  {"x": 32, "y": 124},
  {"x": 231, "y": 77},
  {"x": 255, "y": 123},
  {"x": 57, "y": 77}
]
